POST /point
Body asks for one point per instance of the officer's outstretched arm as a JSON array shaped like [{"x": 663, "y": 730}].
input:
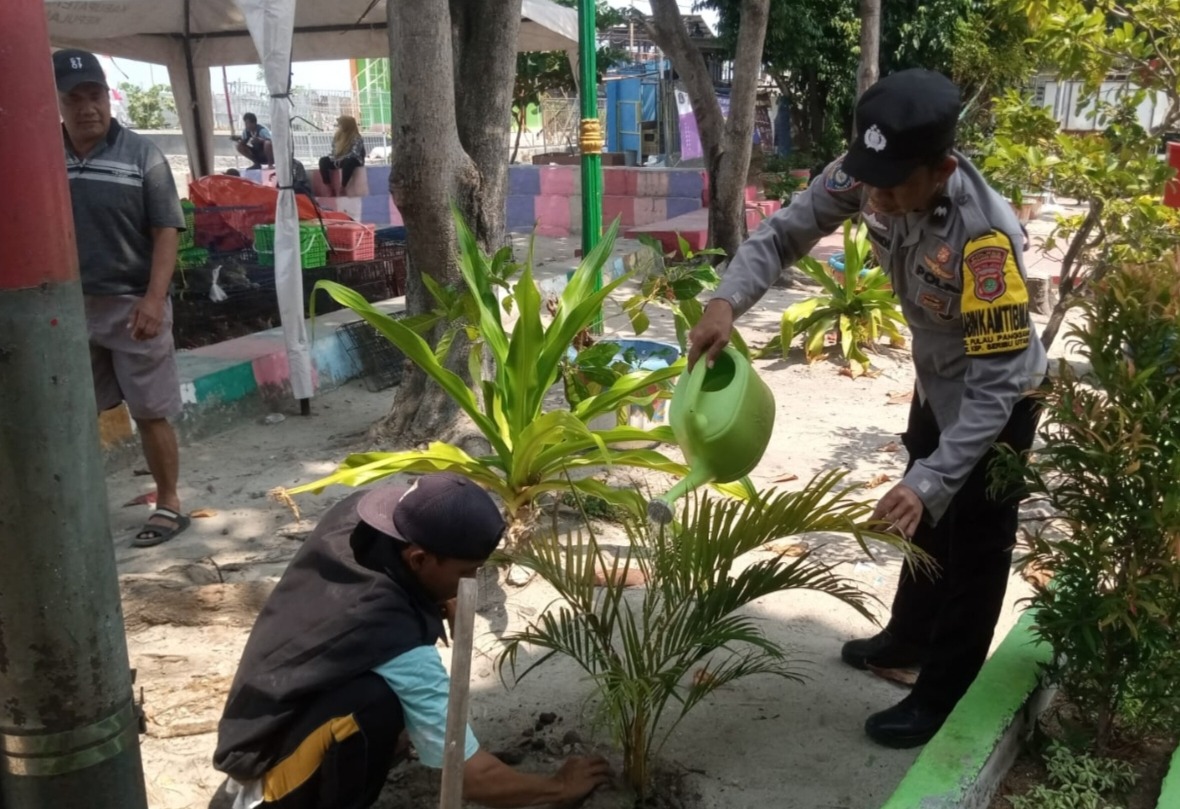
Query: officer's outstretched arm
[{"x": 788, "y": 236}]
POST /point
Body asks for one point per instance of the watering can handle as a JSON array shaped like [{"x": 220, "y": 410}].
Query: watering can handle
[{"x": 692, "y": 392}]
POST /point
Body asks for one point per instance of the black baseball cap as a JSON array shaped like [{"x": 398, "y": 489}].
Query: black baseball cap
[
  {"x": 72, "y": 67},
  {"x": 444, "y": 513},
  {"x": 903, "y": 121}
]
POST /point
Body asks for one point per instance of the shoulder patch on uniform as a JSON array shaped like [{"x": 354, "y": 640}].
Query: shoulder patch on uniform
[
  {"x": 837, "y": 180},
  {"x": 995, "y": 298}
]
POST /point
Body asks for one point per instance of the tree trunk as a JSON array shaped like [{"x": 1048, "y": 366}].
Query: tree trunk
[
  {"x": 726, "y": 146},
  {"x": 870, "y": 45},
  {"x": 1070, "y": 274},
  {"x": 485, "y": 38},
  {"x": 727, "y": 225},
  {"x": 434, "y": 165}
]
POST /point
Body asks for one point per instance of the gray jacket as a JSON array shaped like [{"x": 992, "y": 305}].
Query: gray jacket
[{"x": 959, "y": 274}]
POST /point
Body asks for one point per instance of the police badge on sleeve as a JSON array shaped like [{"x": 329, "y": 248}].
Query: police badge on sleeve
[
  {"x": 995, "y": 298},
  {"x": 837, "y": 180}
]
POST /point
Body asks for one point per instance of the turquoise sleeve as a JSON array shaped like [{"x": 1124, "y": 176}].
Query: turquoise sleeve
[{"x": 422, "y": 686}]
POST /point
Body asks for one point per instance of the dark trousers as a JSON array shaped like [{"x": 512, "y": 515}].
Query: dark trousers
[
  {"x": 951, "y": 612},
  {"x": 347, "y": 166},
  {"x": 338, "y": 754}
]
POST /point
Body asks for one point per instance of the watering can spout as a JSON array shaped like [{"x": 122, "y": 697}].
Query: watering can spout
[{"x": 660, "y": 510}]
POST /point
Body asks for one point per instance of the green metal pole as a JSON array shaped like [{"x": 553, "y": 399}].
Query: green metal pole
[
  {"x": 591, "y": 141},
  {"x": 69, "y": 733}
]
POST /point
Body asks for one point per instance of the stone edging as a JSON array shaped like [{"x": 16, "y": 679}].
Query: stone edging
[{"x": 963, "y": 766}]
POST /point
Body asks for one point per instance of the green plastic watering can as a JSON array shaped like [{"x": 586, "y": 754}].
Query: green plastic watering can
[{"x": 722, "y": 418}]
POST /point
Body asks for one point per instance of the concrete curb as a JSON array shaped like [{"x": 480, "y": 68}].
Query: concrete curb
[{"x": 963, "y": 766}]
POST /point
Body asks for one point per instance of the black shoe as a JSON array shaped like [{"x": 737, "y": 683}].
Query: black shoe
[
  {"x": 906, "y": 724},
  {"x": 882, "y": 651}
]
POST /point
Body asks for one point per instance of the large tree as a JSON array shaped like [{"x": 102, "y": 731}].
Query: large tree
[
  {"x": 726, "y": 143},
  {"x": 452, "y": 65},
  {"x": 810, "y": 52},
  {"x": 813, "y": 47},
  {"x": 870, "y": 46}
]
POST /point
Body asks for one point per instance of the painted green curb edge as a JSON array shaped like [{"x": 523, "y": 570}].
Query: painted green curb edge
[
  {"x": 1170, "y": 792},
  {"x": 948, "y": 772}
]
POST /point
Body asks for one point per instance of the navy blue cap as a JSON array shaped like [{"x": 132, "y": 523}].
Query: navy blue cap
[
  {"x": 72, "y": 67},
  {"x": 444, "y": 513}
]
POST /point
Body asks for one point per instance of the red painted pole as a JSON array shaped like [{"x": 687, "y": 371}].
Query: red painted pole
[{"x": 68, "y": 727}]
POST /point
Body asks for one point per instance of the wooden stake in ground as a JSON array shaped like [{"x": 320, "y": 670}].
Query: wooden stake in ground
[{"x": 461, "y": 647}]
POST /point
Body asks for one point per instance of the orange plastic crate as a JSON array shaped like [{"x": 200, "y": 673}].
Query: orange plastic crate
[{"x": 350, "y": 241}]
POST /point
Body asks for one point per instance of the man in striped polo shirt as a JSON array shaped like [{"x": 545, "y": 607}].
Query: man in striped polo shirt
[{"x": 127, "y": 223}]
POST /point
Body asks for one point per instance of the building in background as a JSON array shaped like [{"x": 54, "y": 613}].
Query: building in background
[{"x": 371, "y": 87}]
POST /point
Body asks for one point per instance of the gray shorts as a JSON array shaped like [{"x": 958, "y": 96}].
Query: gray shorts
[{"x": 141, "y": 373}]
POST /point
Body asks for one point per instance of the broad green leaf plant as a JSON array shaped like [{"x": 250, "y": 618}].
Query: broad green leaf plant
[
  {"x": 860, "y": 307},
  {"x": 533, "y": 450},
  {"x": 655, "y": 655}
]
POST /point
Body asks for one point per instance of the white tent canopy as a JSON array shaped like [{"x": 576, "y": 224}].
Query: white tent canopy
[{"x": 190, "y": 36}]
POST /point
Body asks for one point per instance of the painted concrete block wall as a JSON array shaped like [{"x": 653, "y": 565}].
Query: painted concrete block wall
[
  {"x": 549, "y": 197},
  {"x": 374, "y": 208},
  {"x": 224, "y": 383}
]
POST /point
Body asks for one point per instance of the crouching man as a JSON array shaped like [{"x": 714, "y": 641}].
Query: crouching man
[{"x": 342, "y": 659}]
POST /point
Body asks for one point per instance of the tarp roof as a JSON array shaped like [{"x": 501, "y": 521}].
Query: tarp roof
[
  {"x": 149, "y": 30},
  {"x": 190, "y": 36}
]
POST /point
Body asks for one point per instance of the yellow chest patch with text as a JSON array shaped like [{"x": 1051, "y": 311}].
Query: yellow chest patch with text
[{"x": 995, "y": 298}]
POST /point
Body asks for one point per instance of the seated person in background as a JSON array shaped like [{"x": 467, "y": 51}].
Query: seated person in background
[
  {"x": 342, "y": 659},
  {"x": 255, "y": 143},
  {"x": 348, "y": 152},
  {"x": 232, "y": 173}
]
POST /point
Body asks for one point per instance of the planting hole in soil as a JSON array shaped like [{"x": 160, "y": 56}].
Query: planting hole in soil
[{"x": 541, "y": 751}]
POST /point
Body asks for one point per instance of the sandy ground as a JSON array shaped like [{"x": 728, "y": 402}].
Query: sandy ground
[{"x": 759, "y": 743}]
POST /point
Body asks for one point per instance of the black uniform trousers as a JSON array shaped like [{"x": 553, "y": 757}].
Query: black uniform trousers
[
  {"x": 338, "y": 754},
  {"x": 950, "y": 613}
]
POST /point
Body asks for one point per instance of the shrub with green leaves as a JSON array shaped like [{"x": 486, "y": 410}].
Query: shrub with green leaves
[
  {"x": 861, "y": 308},
  {"x": 654, "y": 655},
  {"x": 1077, "y": 781},
  {"x": 1107, "y": 474}
]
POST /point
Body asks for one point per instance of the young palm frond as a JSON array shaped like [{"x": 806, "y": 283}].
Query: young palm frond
[{"x": 653, "y": 656}]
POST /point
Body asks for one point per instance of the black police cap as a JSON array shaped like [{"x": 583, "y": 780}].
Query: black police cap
[{"x": 905, "y": 120}]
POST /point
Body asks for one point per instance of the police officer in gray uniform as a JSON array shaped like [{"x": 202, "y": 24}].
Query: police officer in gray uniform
[{"x": 953, "y": 249}]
